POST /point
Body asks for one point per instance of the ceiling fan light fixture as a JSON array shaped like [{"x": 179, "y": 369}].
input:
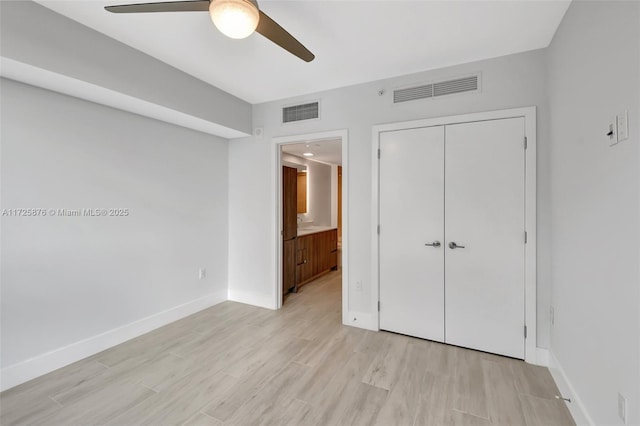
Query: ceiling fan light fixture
[{"x": 234, "y": 18}]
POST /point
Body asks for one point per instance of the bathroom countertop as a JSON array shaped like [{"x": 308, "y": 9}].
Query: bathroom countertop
[{"x": 314, "y": 229}]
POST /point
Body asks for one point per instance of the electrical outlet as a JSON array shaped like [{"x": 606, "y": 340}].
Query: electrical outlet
[
  {"x": 552, "y": 315},
  {"x": 358, "y": 285},
  {"x": 622, "y": 408},
  {"x": 202, "y": 273}
]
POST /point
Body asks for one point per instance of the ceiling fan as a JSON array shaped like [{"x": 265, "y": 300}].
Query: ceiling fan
[{"x": 234, "y": 18}]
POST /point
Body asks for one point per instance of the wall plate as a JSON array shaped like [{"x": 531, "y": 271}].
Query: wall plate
[{"x": 622, "y": 126}]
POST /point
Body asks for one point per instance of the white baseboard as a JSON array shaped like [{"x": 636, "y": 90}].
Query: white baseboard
[
  {"x": 251, "y": 298},
  {"x": 361, "y": 320},
  {"x": 576, "y": 407},
  {"x": 542, "y": 357},
  {"x": 31, "y": 368}
]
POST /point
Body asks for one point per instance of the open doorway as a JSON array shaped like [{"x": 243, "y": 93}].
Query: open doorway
[{"x": 311, "y": 194}]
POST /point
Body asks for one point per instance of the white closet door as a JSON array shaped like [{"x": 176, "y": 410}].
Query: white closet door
[
  {"x": 485, "y": 213},
  {"x": 411, "y": 216}
]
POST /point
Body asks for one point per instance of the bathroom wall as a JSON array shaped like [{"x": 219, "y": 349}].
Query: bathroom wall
[{"x": 319, "y": 201}]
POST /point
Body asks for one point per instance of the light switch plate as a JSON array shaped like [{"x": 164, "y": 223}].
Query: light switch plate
[{"x": 622, "y": 125}]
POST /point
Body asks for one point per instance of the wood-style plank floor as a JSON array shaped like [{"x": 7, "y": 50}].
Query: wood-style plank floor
[{"x": 235, "y": 364}]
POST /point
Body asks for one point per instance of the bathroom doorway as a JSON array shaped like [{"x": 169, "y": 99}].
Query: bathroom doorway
[{"x": 312, "y": 191}]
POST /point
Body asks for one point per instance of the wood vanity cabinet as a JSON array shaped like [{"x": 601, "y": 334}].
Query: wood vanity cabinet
[
  {"x": 316, "y": 254},
  {"x": 289, "y": 228},
  {"x": 288, "y": 265},
  {"x": 305, "y": 254},
  {"x": 333, "y": 252},
  {"x": 289, "y": 202},
  {"x": 323, "y": 260}
]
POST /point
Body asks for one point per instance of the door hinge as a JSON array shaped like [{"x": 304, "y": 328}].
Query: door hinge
[
  {"x": 378, "y": 306},
  {"x": 525, "y": 331},
  {"x": 526, "y": 237},
  {"x": 378, "y": 229},
  {"x": 378, "y": 153},
  {"x": 525, "y": 142}
]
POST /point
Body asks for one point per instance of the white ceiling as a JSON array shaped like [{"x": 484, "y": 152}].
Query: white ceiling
[
  {"x": 354, "y": 41},
  {"x": 325, "y": 151}
]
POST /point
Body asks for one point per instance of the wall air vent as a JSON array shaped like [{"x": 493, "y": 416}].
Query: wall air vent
[
  {"x": 413, "y": 93},
  {"x": 467, "y": 84},
  {"x": 440, "y": 88},
  {"x": 309, "y": 111}
]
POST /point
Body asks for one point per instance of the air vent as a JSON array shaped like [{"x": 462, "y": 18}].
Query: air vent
[
  {"x": 413, "y": 93},
  {"x": 308, "y": 111},
  {"x": 441, "y": 88},
  {"x": 467, "y": 84}
]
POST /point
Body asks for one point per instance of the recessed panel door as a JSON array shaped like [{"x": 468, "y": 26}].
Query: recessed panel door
[
  {"x": 484, "y": 229},
  {"x": 411, "y": 232}
]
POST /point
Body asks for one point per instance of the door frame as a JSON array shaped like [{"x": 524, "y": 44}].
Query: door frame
[
  {"x": 529, "y": 115},
  {"x": 278, "y": 142}
]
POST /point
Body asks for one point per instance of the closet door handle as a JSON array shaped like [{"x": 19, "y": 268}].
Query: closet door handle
[
  {"x": 453, "y": 245},
  {"x": 433, "y": 244}
]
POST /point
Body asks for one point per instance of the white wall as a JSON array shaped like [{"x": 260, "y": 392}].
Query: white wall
[
  {"x": 318, "y": 190},
  {"x": 594, "y": 73},
  {"x": 65, "y": 279},
  {"x": 507, "y": 82}
]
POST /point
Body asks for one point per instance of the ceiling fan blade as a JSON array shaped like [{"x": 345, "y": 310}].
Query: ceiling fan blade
[
  {"x": 274, "y": 32},
  {"x": 172, "y": 6}
]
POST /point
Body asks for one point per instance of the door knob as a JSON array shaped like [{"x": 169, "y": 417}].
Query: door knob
[
  {"x": 433, "y": 244},
  {"x": 453, "y": 245}
]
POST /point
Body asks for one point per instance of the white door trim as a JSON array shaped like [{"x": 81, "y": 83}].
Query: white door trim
[
  {"x": 529, "y": 114},
  {"x": 310, "y": 137}
]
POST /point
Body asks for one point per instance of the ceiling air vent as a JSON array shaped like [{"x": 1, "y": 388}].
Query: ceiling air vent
[
  {"x": 294, "y": 113},
  {"x": 441, "y": 88}
]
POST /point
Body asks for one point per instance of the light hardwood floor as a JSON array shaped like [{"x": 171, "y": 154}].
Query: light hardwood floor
[{"x": 235, "y": 364}]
